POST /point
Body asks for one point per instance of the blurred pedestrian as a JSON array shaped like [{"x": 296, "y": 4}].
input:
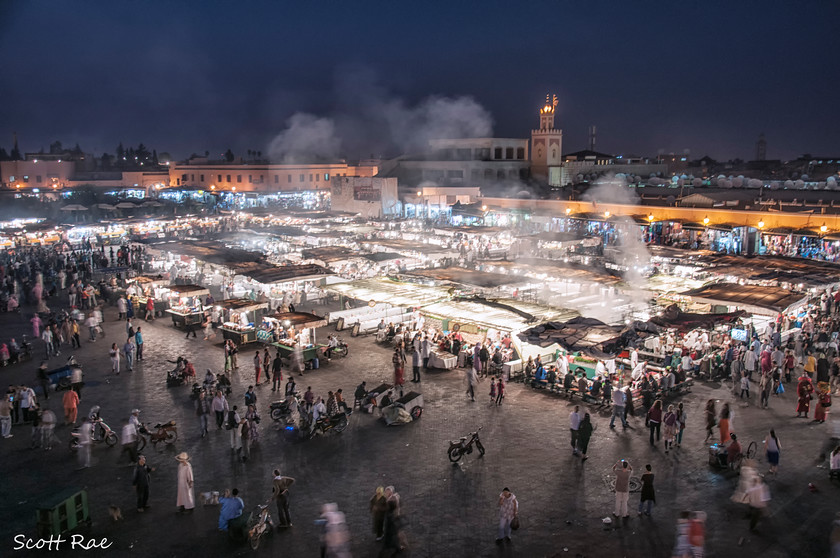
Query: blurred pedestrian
[
  {"x": 378, "y": 508},
  {"x": 508, "y": 510},
  {"x": 141, "y": 481},
  {"x": 584, "y": 435}
]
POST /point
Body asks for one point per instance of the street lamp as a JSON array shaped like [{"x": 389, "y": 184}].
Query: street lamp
[
  {"x": 606, "y": 214},
  {"x": 823, "y": 228},
  {"x": 650, "y": 217},
  {"x": 483, "y": 208},
  {"x": 761, "y": 224},
  {"x": 706, "y": 221}
]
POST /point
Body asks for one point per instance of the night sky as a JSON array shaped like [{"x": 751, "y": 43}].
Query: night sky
[{"x": 187, "y": 77}]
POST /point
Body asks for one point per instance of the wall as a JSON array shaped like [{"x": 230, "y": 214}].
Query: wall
[{"x": 371, "y": 197}]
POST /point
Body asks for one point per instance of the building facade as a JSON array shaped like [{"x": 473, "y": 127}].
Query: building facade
[
  {"x": 370, "y": 197},
  {"x": 257, "y": 177}
]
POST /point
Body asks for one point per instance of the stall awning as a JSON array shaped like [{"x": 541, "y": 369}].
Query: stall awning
[
  {"x": 188, "y": 290},
  {"x": 243, "y": 304},
  {"x": 267, "y": 274},
  {"x": 148, "y": 280},
  {"x": 299, "y": 320},
  {"x": 752, "y": 298},
  {"x": 329, "y": 254},
  {"x": 470, "y": 277},
  {"x": 684, "y": 321},
  {"x": 587, "y": 335},
  {"x": 382, "y": 256}
]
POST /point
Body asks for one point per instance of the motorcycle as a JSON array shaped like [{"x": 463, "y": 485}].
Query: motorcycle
[
  {"x": 166, "y": 433},
  {"x": 458, "y": 448},
  {"x": 341, "y": 350},
  {"x": 335, "y": 423},
  {"x": 282, "y": 410},
  {"x": 262, "y": 526},
  {"x": 101, "y": 432}
]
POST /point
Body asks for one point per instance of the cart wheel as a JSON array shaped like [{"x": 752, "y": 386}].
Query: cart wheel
[
  {"x": 111, "y": 440},
  {"x": 416, "y": 412},
  {"x": 276, "y": 414},
  {"x": 141, "y": 443},
  {"x": 455, "y": 454},
  {"x": 171, "y": 436},
  {"x": 751, "y": 449}
]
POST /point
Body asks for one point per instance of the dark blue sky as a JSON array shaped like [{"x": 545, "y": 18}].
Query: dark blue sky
[{"x": 188, "y": 76}]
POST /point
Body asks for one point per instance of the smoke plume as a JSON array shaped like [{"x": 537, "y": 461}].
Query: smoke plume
[{"x": 306, "y": 139}]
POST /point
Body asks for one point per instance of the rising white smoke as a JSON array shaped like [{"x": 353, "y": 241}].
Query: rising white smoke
[{"x": 306, "y": 139}]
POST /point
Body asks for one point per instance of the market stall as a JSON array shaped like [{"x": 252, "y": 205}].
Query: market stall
[
  {"x": 185, "y": 304},
  {"x": 292, "y": 332},
  {"x": 144, "y": 286},
  {"x": 242, "y": 317}
]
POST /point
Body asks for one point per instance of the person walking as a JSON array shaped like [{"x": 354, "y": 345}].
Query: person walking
[
  {"x": 574, "y": 426},
  {"x": 804, "y": 391},
  {"x": 234, "y": 422},
  {"x": 141, "y": 481},
  {"x": 70, "y": 402},
  {"x": 416, "y": 359},
  {"x": 757, "y": 496},
  {"x": 682, "y": 418},
  {"x": 257, "y": 368},
  {"x": 671, "y": 424},
  {"x": 723, "y": 424},
  {"x": 622, "y": 471},
  {"x": 202, "y": 411},
  {"x": 765, "y": 387},
  {"x": 500, "y": 391},
  {"x": 648, "y": 493},
  {"x": 186, "y": 493},
  {"x": 75, "y": 342},
  {"x": 584, "y": 435},
  {"x": 618, "y": 403},
  {"x": 378, "y": 508},
  {"x": 128, "y": 353},
  {"x": 398, "y": 360},
  {"x": 280, "y": 493},
  {"x": 138, "y": 341},
  {"x": 492, "y": 390},
  {"x": 508, "y": 510},
  {"x": 745, "y": 386},
  {"x": 48, "y": 421},
  {"x": 6, "y": 416},
  {"x": 472, "y": 382},
  {"x": 654, "y": 420},
  {"x": 772, "y": 448},
  {"x": 276, "y": 372},
  {"x": 44, "y": 380},
  {"x": 220, "y": 407},
  {"x": 115, "y": 359},
  {"x": 231, "y": 508},
  {"x": 85, "y": 434}
]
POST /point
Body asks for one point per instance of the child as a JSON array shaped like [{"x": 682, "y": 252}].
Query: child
[
  {"x": 501, "y": 392},
  {"x": 493, "y": 390},
  {"x": 745, "y": 386}
]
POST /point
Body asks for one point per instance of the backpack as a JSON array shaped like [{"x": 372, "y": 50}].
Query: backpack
[{"x": 231, "y": 421}]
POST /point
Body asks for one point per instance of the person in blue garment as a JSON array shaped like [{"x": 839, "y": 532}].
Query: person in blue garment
[{"x": 232, "y": 506}]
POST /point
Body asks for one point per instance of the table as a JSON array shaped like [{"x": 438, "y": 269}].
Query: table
[
  {"x": 442, "y": 360},
  {"x": 183, "y": 320}
]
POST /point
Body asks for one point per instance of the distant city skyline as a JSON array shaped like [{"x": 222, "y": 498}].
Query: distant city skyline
[{"x": 189, "y": 78}]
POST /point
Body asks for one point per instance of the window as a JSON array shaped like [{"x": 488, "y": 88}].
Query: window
[
  {"x": 497, "y": 153},
  {"x": 192, "y": 178},
  {"x": 178, "y": 181},
  {"x": 228, "y": 178},
  {"x": 327, "y": 176},
  {"x": 488, "y": 174},
  {"x": 455, "y": 174},
  {"x": 38, "y": 179},
  {"x": 239, "y": 178},
  {"x": 520, "y": 153},
  {"x": 202, "y": 178},
  {"x": 317, "y": 178},
  {"x": 500, "y": 175},
  {"x": 482, "y": 154},
  {"x": 12, "y": 178},
  {"x": 475, "y": 175},
  {"x": 553, "y": 153},
  {"x": 513, "y": 174},
  {"x": 262, "y": 179},
  {"x": 509, "y": 153},
  {"x": 220, "y": 178},
  {"x": 277, "y": 179},
  {"x": 250, "y": 180},
  {"x": 289, "y": 177},
  {"x": 310, "y": 178},
  {"x": 184, "y": 178},
  {"x": 302, "y": 177}
]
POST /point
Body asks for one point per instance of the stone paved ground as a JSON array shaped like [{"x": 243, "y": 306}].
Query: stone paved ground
[{"x": 451, "y": 508}]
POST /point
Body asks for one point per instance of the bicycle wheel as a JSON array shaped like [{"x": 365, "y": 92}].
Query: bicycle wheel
[
  {"x": 751, "y": 450},
  {"x": 455, "y": 454},
  {"x": 141, "y": 443},
  {"x": 111, "y": 439},
  {"x": 171, "y": 436}
]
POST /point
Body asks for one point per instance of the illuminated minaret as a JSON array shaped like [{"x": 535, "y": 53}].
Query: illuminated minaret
[{"x": 546, "y": 144}]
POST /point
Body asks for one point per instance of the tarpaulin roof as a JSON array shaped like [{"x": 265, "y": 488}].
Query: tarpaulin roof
[
  {"x": 586, "y": 335},
  {"x": 753, "y": 298},
  {"x": 208, "y": 251},
  {"x": 267, "y": 273},
  {"x": 243, "y": 304},
  {"x": 685, "y": 321},
  {"x": 470, "y": 277},
  {"x": 382, "y": 256},
  {"x": 188, "y": 290},
  {"x": 329, "y": 254},
  {"x": 299, "y": 319}
]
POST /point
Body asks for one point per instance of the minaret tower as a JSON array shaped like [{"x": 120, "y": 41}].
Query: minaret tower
[{"x": 547, "y": 144}]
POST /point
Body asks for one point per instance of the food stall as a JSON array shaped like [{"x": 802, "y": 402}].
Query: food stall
[
  {"x": 185, "y": 304},
  {"x": 296, "y": 331},
  {"x": 156, "y": 286},
  {"x": 239, "y": 325}
]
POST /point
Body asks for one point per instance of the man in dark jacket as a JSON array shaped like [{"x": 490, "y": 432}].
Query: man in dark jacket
[{"x": 142, "y": 480}]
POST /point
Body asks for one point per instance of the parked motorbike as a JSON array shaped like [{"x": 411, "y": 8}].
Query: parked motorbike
[
  {"x": 262, "y": 526},
  {"x": 101, "y": 432},
  {"x": 458, "y": 448},
  {"x": 282, "y": 410},
  {"x": 339, "y": 351},
  {"x": 335, "y": 423},
  {"x": 166, "y": 433}
]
